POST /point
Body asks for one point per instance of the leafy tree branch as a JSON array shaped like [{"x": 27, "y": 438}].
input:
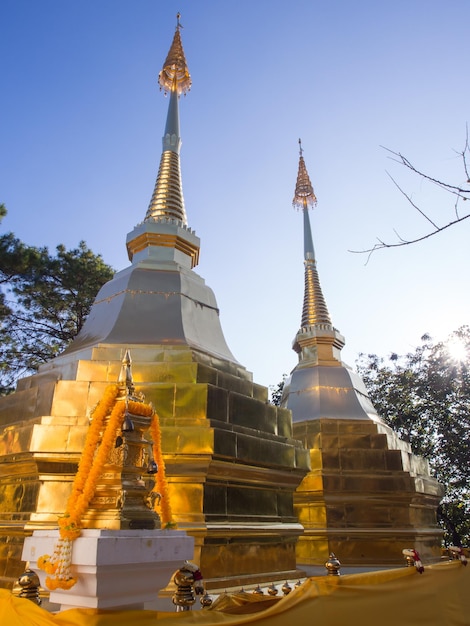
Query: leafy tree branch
[
  {"x": 425, "y": 397},
  {"x": 44, "y": 301}
]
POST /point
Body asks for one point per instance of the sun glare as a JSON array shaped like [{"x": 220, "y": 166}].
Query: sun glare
[{"x": 457, "y": 349}]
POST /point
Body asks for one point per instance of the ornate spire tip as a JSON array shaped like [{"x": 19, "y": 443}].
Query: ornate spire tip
[
  {"x": 304, "y": 196},
  {"x": 175, "y": 74}
]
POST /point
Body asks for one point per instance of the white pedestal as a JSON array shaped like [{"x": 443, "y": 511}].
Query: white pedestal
[{"x": 114, "y": 568}]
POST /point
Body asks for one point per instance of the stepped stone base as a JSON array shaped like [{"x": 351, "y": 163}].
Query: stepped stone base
[
  {"x": 232, "y": 463},
  {"x": 366, "y": 497}
]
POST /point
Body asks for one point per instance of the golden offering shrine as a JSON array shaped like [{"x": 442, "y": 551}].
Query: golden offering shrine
[
  {"x": 367, "y": 496},
  {"x": 232, "y": 465}
]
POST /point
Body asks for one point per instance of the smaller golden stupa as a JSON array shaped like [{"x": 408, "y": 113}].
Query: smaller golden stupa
[{"x": 367, "y": 495}]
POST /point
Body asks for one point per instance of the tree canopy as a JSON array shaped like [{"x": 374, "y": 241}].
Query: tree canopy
[
  {"x": 44, "y": 300},
  {"x": 425, "y": 397},
  {"x": 276, "y": 391}
]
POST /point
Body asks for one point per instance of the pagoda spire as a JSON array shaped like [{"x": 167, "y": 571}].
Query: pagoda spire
[
  {"x": 316, "y": 319},
  {"x": 164, "y": 235},
  {"x": 167, "y": 200},
  {"x": 314, "y": 307}
]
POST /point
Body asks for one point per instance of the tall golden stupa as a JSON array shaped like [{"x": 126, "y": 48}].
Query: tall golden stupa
[
  {"x": 231, "y": 461},
  {"x": 367, "y": 496}
]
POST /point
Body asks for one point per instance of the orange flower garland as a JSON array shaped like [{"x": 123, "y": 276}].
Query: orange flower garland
[
  {"x": 99, "y": 442},
  {"x": 71, "y": 521},
  {"x": 84, "y": 486},
  {"x": 162, "y": 504},
  {"x": 140, "y": 408},
  {"x": 98, "y": 416}
]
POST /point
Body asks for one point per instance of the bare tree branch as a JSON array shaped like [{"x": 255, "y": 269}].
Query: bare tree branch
[
  {"x": 411, "y": 201},
  {"x": 460, "y": 192},
  {"x": 406, "y": 242},
  {"x": 463, "y": 154}
]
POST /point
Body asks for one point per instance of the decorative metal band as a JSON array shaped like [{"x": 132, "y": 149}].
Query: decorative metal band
[
  {"x": 308, "y": 336},
  {"x": 165, "y": 294},
  {"x": 163, "y": 240},
  {"x": 167, "y": 199}
]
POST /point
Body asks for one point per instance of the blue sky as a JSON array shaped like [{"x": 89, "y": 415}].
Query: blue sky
[{"x": 81, "y": 120}]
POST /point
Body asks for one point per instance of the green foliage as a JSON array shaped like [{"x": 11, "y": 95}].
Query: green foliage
[
  {"x": 425, "y": 397},
  {"x": 276, "y": 391},
  {"x": 44, "y": 300}
]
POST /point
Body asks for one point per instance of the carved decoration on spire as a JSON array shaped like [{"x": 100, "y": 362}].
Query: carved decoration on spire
[
  {"x": 175, "y": 74},
  {"x": 304, "y": 196}
]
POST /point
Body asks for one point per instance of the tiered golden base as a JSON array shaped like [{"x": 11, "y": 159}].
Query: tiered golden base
[
  {"x": 232, "y": 465},
  {"x": 367, "y": 496}
]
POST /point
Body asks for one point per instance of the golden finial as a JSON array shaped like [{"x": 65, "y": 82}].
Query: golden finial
[
  {"x": 304, "y": 196},
  {"x": 333, "y": 565},
  {"x": 175, "y": 74},
  {"x": 125, "y": 375},
  {"x": 29, "y": 583}
]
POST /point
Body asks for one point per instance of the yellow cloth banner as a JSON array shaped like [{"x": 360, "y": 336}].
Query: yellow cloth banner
[{"x": 399, "y": 597}]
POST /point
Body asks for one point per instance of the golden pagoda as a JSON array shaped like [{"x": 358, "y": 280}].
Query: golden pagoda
[
  {"x": 367, "y": 495},
  {"x": 232, "y": 464}
]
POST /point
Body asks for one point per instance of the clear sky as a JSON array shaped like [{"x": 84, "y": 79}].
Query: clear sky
[{"x": 81, "y": 120}]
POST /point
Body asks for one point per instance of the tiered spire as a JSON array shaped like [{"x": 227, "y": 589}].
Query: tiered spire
[
  {"x": 164, "y": 235},
  {"x": 314, "y": 310},
  {"x": 316, "y": 328},
  {"x": 167, "y": 199}
]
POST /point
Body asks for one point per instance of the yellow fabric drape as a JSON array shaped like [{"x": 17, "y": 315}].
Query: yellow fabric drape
[{"x": 439, "y": 597}]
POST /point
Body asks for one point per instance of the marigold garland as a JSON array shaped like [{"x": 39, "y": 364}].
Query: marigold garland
[
  {"x": 162, "y": 504},
  {"x": 89, "y": 471},
  {"x": 98, "y": 416},
  {"x": 140, "y": 408},
  {"x": 99, "y": 442}
]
